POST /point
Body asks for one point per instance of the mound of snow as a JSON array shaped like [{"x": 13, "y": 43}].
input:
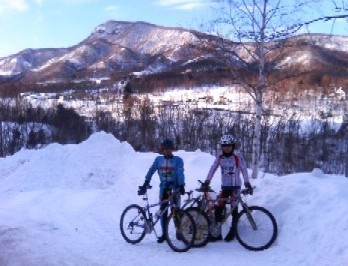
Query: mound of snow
[{"x": 61, "y": 206}]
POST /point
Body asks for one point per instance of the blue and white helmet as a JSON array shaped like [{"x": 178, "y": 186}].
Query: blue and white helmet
[{"x": 227, "y": 140}]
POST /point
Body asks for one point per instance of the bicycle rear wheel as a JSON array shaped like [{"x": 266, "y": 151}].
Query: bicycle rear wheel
[
  {"x": 202, "y": 226},
  {"x": 256, "y": 230},
  {"x": 133, "y": 224},
  {"x": 180, "y": 231}
]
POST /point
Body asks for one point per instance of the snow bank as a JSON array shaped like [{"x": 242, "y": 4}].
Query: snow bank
[{"x": 61, "y": 206}]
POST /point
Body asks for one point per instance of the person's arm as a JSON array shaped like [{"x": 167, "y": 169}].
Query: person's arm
[
  {"x": 243, "y": 169},
  {"x": 151, "y": 171},
  {"x": 213, "y": 169},
  {"x": 180, "y": 171}
]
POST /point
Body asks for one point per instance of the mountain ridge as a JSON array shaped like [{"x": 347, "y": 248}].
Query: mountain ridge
[{"x": 148, "y": 53}]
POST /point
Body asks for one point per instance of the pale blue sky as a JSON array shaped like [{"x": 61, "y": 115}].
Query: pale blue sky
[{"x": 63, "y": 23}]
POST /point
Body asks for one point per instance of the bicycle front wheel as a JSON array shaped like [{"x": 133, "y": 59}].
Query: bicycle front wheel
[
  {"x": 256, "y": 229},
  {"x": 180, "y": 231},
  {"x": 133, "y": 224},
  {"x": 202, "y": 226}
]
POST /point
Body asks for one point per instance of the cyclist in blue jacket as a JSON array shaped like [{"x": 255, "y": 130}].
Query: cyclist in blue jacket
[{"x": 170, "y": 169}]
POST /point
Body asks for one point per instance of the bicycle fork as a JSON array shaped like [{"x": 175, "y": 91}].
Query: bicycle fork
[
  {"x": 148, "y": 223},
  {"x": 249, "y": 216}
]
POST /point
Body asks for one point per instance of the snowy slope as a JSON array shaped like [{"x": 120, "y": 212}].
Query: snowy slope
[{"x": 61, "y": 206}]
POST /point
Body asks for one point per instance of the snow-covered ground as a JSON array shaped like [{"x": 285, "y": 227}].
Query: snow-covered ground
[{"x": 61, "y": 206}]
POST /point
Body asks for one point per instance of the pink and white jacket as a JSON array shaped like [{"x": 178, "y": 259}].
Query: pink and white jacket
[{"x": 231, "y": 167}]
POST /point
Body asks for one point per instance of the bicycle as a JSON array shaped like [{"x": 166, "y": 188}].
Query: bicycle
[
  {"x": 256, "y": 227},
  {"x": 137, "y": 221},
  {"x": 201, "y": 219}
]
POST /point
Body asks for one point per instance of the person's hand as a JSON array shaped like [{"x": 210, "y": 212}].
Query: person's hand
[
  {"x": 205, "y": 186},
  {"x": 143, "y": 188},
  {"x": 249, "y": 187},
  {"x": 182, "y": 190}
]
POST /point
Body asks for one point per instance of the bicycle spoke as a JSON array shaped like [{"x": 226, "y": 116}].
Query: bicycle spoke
[
  {"x": 258, "y": 233},
  {"x": 133, "y": 224},
  {"x": 180, "y": 231},
  {"x": 202, "y": 226}
]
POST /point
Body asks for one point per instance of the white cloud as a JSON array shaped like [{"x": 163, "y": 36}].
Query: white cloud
[
  {"x": 77, "y": 1},
  {"x": 189, "y": 6},
  {"x": 13, "y": 5},
  {"x": 39, "y": 2},
  {"x": 66, "y": 2},
  {"x": 184, "y": 4},
  {"x": 113, "y": 10}
]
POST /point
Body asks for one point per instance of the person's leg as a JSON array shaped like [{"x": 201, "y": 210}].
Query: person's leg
[
  {"x": 231, "y": 234},
  {"x": 163, "y": 196},
  {"x": 219, "y": 209}
]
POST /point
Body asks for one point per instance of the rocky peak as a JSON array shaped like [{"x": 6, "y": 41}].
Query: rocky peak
[{"x": 142, "y": 37}]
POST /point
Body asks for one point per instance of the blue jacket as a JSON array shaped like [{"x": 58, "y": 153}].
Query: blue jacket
[{"x": 169, "y": 170}]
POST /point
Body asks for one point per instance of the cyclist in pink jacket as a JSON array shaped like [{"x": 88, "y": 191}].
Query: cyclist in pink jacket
[{"x": 231, "y": 164}]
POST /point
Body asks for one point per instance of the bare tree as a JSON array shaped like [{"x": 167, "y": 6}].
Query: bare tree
[{"x": 259, "y": 27}]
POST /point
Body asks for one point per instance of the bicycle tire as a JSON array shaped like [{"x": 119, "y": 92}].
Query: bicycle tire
[
  {"x": 180, "y": 231},
  {"x": 263, "y": 236},
  {"x": 202, "y": 226},
  {"x": 133, "y": 224}
]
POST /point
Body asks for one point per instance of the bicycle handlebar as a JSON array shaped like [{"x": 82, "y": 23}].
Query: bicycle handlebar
[
  {"x": 205, "y": 190},
  {"x": 246, "y": 191},
  {"x": 176, "y": 190}
]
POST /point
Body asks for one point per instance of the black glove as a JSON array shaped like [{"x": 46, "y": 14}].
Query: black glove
[
  {"x": 182, "y": 190},
  {"x": 205, "y": 186},
  {"x": 249, "y": 187},
  {"x": 143, "y": 188}
]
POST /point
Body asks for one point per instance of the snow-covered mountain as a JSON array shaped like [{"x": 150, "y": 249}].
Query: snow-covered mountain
[
  {"x": 113, "y": 47},
  {"x": 116, "y": 50}
]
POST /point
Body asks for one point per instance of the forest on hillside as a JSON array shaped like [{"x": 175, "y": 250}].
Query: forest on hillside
[{"x": 288, "y": 145}]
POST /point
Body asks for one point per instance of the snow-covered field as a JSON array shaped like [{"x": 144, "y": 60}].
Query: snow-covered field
[{"x": 61, "y": 206}]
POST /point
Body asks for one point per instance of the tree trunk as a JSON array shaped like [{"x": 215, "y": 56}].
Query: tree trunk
[
  {"x": 346, "y": 172},
  {"x": 257, "y": 136}
]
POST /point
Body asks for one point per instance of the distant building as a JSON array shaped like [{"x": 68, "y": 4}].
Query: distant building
[{"x": 340, "y": 93}]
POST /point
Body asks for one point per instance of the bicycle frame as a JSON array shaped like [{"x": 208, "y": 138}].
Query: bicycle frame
[
  {"x": 181, "y": 228},
  {"x": 190, "y": 202},
  {"x": 152, "y": 220},
  {"x": 251, "y": 235},
  {"x": 205, "y": 202},
  {"x": 199, "y": 200},
  {"x": 238, "y": 200}
]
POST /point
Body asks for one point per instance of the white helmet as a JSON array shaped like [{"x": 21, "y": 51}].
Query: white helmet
[{"x": 227, "y": 140}]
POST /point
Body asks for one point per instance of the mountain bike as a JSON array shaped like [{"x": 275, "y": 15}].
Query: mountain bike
[
  {"x": 201, "y": 219},
  {"x": 256, "y": 227},
  {"x": 137, "y": 221}
]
